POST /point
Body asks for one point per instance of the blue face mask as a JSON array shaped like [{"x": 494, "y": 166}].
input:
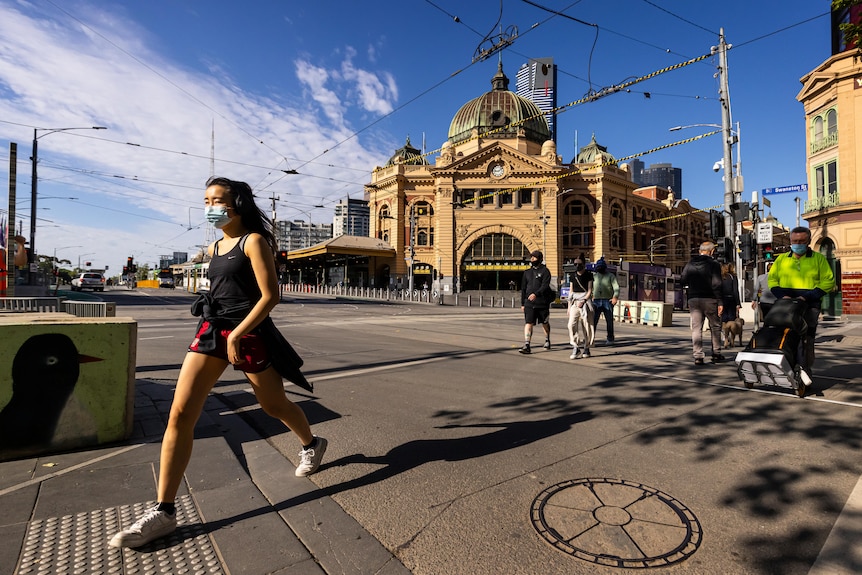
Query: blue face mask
[
  {"x": 798, "y": 249},
  {"x": 217, "y": 216}
]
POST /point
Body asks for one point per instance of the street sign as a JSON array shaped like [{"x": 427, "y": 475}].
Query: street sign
[
  {"x": 764, "y": 233},
  {"x": 799, "y": 188}
]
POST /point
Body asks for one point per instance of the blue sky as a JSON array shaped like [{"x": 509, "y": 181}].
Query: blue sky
[{"x": 331, "y": 89}]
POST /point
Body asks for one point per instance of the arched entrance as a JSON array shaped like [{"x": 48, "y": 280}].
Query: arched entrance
[{"x": 494, "y": 262}]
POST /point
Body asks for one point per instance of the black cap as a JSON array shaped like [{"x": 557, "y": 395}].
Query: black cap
[{"x": 538, "y": 255}]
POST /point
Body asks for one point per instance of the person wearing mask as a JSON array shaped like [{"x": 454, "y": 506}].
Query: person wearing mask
[
  {"x": 805, "y": 275},
  {"x": 701, "y": 278},
  {"x": 536, "y": 300},
  {"x": 580, "y": 310},
  {"x": 606, "y": 293},
  {"x": 235, "y": 329},
  {"x": 764, "y": 298}
]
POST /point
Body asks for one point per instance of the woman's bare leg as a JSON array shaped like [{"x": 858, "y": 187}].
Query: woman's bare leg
[
  {"x": 197, "y": 377},
  {"x": 269, "y": 390}
]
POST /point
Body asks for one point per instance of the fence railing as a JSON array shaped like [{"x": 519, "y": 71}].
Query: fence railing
[
  {"x": 30, "y": 304},
  {"x": 469, "y": 299},
  {"x": 53, "y": 305}
]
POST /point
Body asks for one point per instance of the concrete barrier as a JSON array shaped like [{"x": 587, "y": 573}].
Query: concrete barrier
[
  {"x": 630, "y": 311},
  {"x": 656, "y": 313},
  {"x": 66, "y": 382}
]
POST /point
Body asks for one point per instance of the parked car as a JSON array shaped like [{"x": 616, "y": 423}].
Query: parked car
[{"x": 88, "y": 280}]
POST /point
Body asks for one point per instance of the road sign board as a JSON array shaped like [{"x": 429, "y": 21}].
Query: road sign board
[
  {"x": 764, "y": 233},
  {"x": 800, "y": 188}
]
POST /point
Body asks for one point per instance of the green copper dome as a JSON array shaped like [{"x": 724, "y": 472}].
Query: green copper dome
[
  {"x": 407, "y": 155},
  {"x": 496, "y": 109}
]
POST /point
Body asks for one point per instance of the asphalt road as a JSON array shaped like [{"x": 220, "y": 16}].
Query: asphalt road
[{"x": 464, "y": 457}]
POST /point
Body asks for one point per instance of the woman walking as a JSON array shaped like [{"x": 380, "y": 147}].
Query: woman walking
[{"x": 235, "y": 330}]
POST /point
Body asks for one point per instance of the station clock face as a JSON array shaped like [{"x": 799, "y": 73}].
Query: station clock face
[{"x": 498, "y": 171}]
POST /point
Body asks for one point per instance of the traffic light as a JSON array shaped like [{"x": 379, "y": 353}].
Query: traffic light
[
  {"x": 724, "y": 250},
  {"x": 767, "y": 253},
  {"x": 747, "y": 246},
  {"x": 741, "y": 211},
  {"x": 716, "y": 225},
  {"x": 125, "y": 270},
  {"x": 281, "y": 257}
]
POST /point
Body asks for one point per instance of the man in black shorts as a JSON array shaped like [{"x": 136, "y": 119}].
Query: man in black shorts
[{"x": 535, "y": 300}]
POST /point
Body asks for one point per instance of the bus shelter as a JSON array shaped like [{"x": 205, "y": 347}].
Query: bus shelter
[{"x": 354, "y": 261}]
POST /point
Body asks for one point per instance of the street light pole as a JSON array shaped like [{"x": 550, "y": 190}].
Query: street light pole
[
  {"x": 79, "y": 259},
  {"x": 56, "y": 272},
  {"x": 34, "y": 179},
  {"x": 653, "y": 245},
  {"x": 412, "y": 252}
]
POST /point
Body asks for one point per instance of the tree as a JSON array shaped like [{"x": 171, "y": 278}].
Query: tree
[{"x": 852, "y": 30}]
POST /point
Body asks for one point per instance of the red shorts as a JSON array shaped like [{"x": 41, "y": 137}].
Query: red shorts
[{"x": 252, "y": 349}]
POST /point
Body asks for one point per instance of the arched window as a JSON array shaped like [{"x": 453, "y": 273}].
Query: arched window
[
  {"x": 616, "y": 223},
  {"x": 423, "y": 213},
  {"x": 831, "y": 122},
  {"x": 383, "y": 223},
  {"x": 577, "y": 225},
  {"x": 817, "y": 129},
  {"x": 497, "y": 247}
]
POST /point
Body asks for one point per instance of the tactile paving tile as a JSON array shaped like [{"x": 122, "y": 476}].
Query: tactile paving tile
[{"x": 76, "y": 544}]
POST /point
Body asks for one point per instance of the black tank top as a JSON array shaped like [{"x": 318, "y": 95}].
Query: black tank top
[{"x": 233, "y": 285}]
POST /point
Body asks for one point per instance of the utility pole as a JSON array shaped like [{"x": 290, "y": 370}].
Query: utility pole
[{"x": 728, "y": 135}]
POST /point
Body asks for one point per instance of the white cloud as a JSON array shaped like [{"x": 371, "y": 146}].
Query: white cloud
[{"x": 75, "y": 77}]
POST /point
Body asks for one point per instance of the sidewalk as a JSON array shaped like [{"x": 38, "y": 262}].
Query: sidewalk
[{"x": 59, "y": 511}]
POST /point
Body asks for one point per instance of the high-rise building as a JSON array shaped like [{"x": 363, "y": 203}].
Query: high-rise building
[
  {"x": 177, "y": 258},
  {"x": 636, "y": 169},
  {"x": 299, "y": 234},
  {"x": 537, "y": 81},
  {"x": 664, "y": 176},
  {"x": 351, "y": 218}
]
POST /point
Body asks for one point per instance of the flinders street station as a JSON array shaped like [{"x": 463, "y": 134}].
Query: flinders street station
[{"x": 497, "y": 190}]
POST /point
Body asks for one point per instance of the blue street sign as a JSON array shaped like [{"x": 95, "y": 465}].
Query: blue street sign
[{"x": 800, "y": 188}]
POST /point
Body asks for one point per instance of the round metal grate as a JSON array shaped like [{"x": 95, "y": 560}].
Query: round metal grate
[{"x": 616, "y": 523}]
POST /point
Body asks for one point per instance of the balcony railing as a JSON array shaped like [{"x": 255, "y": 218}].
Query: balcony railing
[
  {"x": 825, "y": 142},
  {"x": 821, "y": 202}
]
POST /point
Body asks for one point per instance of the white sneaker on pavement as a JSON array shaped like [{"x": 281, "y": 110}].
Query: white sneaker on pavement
[
  {"x": 309, "y": 459},
  {"x": 151, "y": 526}
]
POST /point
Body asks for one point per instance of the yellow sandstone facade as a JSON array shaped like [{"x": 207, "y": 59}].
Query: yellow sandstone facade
[
  {"x": 497, "y": 190},
  {"x": 832, "y": 98}
]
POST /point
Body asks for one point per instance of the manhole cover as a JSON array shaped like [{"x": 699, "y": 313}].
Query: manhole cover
[{"x": 616, "y": 523}]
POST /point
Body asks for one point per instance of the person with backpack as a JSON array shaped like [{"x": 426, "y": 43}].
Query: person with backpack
[
  {"x": 536, "y": 298},
  {"x": 805, "y": 275}
]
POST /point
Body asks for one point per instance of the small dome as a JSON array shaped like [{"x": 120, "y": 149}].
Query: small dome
[
  {"x": 593, "y": 153},
  {"x": 496, "y": 109},
  {"x": 407, "y": 155}
]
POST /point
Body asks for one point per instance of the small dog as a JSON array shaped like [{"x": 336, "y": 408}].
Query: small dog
[{"x": 732, "y": 330}]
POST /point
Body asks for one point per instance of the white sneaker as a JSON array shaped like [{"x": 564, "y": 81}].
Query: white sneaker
[
  {"x": 309, "y": 459},
  {"x": 153, "y": 525},
  {"x": 577, "y": 353}
]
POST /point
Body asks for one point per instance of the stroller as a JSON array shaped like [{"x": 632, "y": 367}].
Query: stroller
[{"x": 772, "y": 355}]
